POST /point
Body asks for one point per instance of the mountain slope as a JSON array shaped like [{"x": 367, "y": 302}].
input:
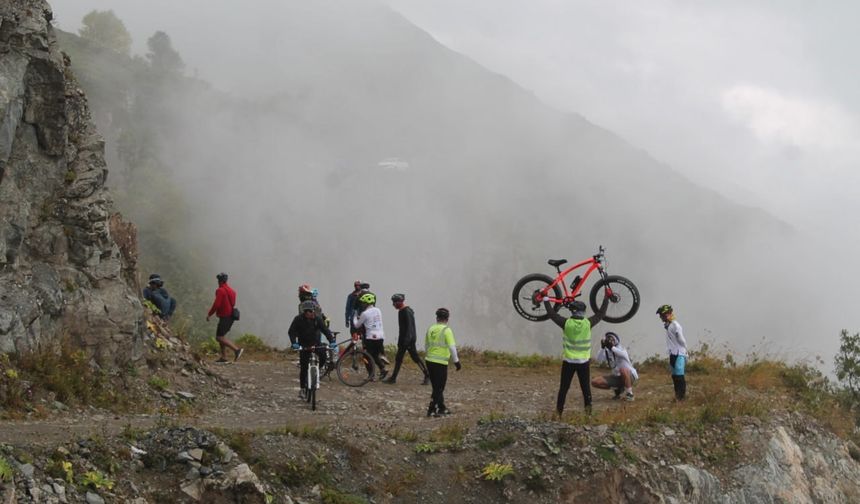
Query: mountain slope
[{"x": 287, "y": 188}]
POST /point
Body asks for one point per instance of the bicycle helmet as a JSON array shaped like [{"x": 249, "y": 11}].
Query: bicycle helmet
[
  {"x": 368, "y": 298},
  {"x": 398, "y": 298},
  {"x": 443, "y": 314},
  {"x": 308, "y": 306},
  {"x": 315, "y": 292},
  {"x": 664, "y": 309},
  {"x": 222, "y": 277}
]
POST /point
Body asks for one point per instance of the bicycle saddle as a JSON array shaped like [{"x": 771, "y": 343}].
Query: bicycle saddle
[{"x": 556, "y": 262}]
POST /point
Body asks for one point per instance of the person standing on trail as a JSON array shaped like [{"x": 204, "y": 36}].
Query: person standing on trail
[
  {"x": 676, "y": 345},
  {"x": 440, "y": 347},
  {"x": 305, "y": 331},
  {"x": 623, "y": 375},
  {"x": 406, "y": 339},
  {"x": 351, "y": 304},
  {"x": 576, "y": 341},
  {"x": 225, "y": 301},
  {"x": 370, "y": 320}
]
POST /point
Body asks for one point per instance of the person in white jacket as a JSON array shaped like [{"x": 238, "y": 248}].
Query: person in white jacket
[
  {"x": 624, "y": 375},
  {"x": 676, "y": 346}
]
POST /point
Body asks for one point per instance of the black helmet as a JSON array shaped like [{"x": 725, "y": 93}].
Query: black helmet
[
  {"x": 443, "y": 314},
  {"x": 308, "y": 306},
  {"x": 222, "y": 277},
  {"x": 398, "y": 298},
  {"x": 576, "y": 306},
  {"x": 364, "y": 285}
]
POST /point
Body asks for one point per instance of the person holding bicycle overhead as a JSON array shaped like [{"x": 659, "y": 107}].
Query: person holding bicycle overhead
[
  {"x": 576, "y": 342},
  {"x": 676, "y": 345},
  {"x": 405, "y": 339},
  {"x": 370, "y": 319},
  {"x": 305, "y": 332}
]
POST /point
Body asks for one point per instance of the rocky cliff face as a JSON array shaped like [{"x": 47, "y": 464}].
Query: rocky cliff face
[{"x": 67, "y": 261}]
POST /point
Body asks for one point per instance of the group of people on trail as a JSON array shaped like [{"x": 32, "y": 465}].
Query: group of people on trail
[
  {"x": 576, "y": 346},
  {"x": 364, "y": 320}
]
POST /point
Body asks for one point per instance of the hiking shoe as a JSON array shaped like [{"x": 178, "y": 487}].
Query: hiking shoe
[
  {"x": 617, "y": 395},
  {"x": 222, "y": 361},
  {"x": 628, "y": 396},
  {"x": 383, "y": 374},
  {"x": 390, "y": 381},
  {"x": 303, "y": 393},
  {"x": 239, "y": 353},
  {"x": 443, "y": 412}
]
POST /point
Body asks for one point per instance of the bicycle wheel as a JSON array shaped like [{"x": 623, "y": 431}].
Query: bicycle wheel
[
  {"x": 624, "y": 302},
  {"x": 312, "y": 388},
  {"x": 355, "y": 368},
  {"x": 524, "y": 297}
]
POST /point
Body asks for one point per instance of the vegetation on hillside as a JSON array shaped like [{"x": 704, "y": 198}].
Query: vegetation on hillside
[{"x": 132, "y": 99}]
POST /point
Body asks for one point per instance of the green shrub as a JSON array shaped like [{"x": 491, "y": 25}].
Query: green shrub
[
  {"x": 209, "y": 346},
  {"x": 252, "y": 343},
  {"x": 496, "y": 472},
  {"x": 5, "y": 469},
  {"x": 96, "y": 480},
  {"x": 158, "y": 383}
]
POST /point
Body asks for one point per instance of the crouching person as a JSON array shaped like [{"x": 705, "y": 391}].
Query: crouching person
[{"x": 624, "y": 375}]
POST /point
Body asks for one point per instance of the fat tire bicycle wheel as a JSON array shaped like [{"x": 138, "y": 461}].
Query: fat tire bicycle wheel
[
  {"x": 624, "y": 302},
  {"x": 355, "y": 368},
  {"x": 524, "y": 297}
]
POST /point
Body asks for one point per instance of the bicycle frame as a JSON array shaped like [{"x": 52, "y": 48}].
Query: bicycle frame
[{"x": 595, "y": 263}]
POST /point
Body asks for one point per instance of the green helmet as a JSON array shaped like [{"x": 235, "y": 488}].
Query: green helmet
[
  {"x": 664, "y": 309},
  {"x": 368, "y": 298}
]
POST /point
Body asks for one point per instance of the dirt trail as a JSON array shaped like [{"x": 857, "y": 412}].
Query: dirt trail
[{"x": 264, "y": 396}]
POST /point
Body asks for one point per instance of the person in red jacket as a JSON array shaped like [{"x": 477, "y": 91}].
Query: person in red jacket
[{"x": 225, "y": 300}]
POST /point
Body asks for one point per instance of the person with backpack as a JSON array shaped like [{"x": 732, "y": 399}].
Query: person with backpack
[
  {"x": 440, "y": 347},
  {"x": 676, "y": 345},
  {"x": 156, "y": 294},
  {"x": 405, "y": 339},
  {"x": 576, "y": 342},
  {"x": 623, "y": 375},
  {"x": 224, "y": 307},
  {"x": 351, "y": 304}
]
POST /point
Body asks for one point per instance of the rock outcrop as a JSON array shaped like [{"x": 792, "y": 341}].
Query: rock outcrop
[{"x": 63, "y": 274}]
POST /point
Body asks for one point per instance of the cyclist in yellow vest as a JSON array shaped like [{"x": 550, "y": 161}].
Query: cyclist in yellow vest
[
  {"x": 576, "y": 342},
  {"x": 440, "y": 347}
]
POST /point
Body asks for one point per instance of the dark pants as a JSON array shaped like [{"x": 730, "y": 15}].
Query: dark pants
[
  {"x": 679, "y": 382},
  {"x": 413, "y": 353},
  {"x": 376, "y": 348},
  {"x": 568, "y": 369},
  {"x": 438, "y": 378},
  {"x": 224, "y": 325},
  {"x": 304, "y": 363}
]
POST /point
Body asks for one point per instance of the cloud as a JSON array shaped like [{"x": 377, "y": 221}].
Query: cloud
[{"x": 780, "y": 120}]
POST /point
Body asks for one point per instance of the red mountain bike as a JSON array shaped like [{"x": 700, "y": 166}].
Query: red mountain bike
[{"x": 533, "y": 290}]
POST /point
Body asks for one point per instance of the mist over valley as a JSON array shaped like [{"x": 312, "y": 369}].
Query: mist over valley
[{"x": 332, "y": 141}]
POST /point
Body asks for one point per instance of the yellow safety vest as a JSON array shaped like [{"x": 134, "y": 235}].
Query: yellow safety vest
[
  {"x": 437, "y": 342},
  {"x": 577, "y": 339}
]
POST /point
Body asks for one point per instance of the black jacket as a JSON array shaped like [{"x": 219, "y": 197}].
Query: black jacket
[
  {"x": 306, "y": 331},
  {"x": 406, "y": 321}
]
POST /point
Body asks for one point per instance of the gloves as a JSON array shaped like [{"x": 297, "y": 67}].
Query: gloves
[
  {"x": 332, "y": 345},
  {"x": 295, "y": 346},
  {"x": 458, "y": 365}
]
